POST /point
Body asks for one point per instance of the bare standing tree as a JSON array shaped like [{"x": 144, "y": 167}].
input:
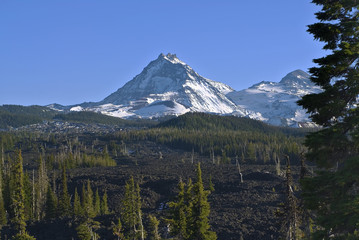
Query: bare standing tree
[
  {"x": 277, "y": 164},
  {"x": 192, "y": 156},
  {"x": 239, "y": 169},
  {"x": 213, "y": 159},
  {"x": 2, "y": 154},
  {"x": 290, "y": 222}
]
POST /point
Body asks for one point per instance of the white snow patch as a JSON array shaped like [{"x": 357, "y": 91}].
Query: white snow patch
[
  {"x": 275, "y": 103},
  {"x": 77, "y": 109},
  {"x": 160, "y": 109}
]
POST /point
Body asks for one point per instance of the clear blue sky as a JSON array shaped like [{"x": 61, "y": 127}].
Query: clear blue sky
[{"x": 71, "y": 51}]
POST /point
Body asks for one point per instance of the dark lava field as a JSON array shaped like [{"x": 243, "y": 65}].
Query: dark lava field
[{"x": 239, "y": 210}]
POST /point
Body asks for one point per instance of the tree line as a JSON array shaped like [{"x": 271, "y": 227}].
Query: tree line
[{"x": 13, "y": 116}]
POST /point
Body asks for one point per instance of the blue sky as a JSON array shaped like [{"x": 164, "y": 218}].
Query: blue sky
[{"x": 68, "y": 52}]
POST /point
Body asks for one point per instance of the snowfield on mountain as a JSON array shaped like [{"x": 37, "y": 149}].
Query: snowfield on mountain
[{"x": 168, "y": 86}]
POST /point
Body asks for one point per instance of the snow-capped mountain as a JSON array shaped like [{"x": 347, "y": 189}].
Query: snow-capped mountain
[
  {"x": 275, "y": 103},
  {"x": 168, "y": 86}
]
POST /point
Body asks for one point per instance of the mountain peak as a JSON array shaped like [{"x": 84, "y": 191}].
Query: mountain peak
[
  {"x": 168, "y": 86},
  {"x": 298, "y": 76},
  {"x": 171, "y": 58}
]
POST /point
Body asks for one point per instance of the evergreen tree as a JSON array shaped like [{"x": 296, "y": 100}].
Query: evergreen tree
[
  {"x": 84, "y": 200},
  {"x": 41, "y": 189},
  {"x": 7, "y": 192},
  {"x": 251, "y": 151},
  {"x": 87, "y": 230},
  {"x": 51, "y": 204},
  {"x": 64, "y": 201},
  {"x": 117, "y": 230},
  {"x": 200, "y": 211},
  {"x": 188, "y": 201},
  {"x": 153, "y": 228},
  {"x": 83, "y": 232},
  {"x": 77, "y": 204},
  {"x": 18, "y": 195},
  {"x": 211, "y": 185},
  {"x": 89, "y": 201},
  {"x": 333, "y": 192},
  {"x": 104, "y": 206},
  {"x": 18, "y": 199},
  {"x": 304, "y": 213},
  {"x": 131, "y": 211},
  {"x": 97, "y": 207},
  {"x": 29, "y": 214},
  {"x": 3, "y": 218},
  {"x": 179, "y": 212},
  {"x": 190, "y": 211},
  {"x": 128, "y": 210},
  {"x": 24, "y": 236}
]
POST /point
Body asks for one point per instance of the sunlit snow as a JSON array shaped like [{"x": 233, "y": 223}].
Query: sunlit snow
[
  {"x": 77, "y": 109},
  {"x": 168, "y": 86}
]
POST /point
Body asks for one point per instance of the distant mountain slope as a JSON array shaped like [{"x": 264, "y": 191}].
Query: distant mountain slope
[
  {"x": 18, "y": 116},
  {"x": 93, "y": 117},
  {"x": 34, "y": 110},
  {"x": 275, "y": 103}
]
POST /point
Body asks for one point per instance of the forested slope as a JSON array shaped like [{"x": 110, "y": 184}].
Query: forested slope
[
  {"x": 17, "y": 116},
  {"x": 223, "y": 138}
]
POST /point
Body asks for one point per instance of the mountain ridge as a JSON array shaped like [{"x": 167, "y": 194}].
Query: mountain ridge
[
  {"x": 275, "y": 102},
  {"x": 168, "y": 86}
]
